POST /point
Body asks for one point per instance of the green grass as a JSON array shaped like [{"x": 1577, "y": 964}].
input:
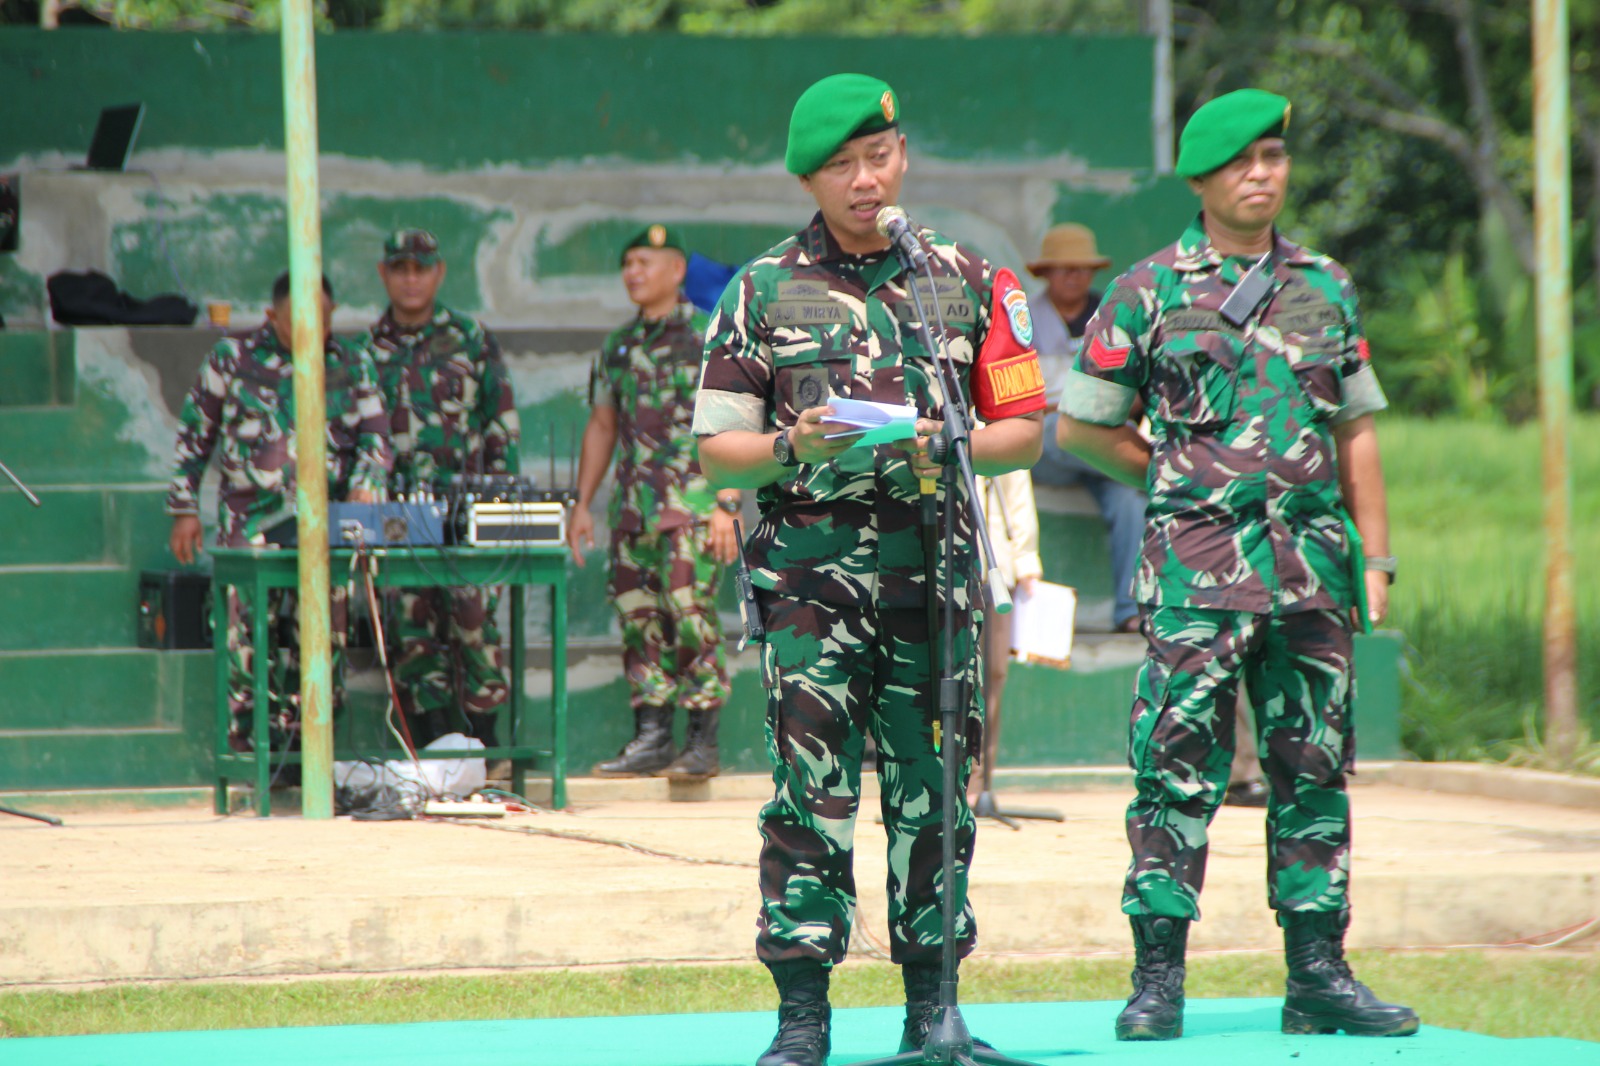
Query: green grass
[
  {"x": 1466, "y": 515},
  {"x": 1495, "y": 993}
]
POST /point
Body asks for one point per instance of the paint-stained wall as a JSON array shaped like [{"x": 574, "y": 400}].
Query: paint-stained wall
[{"x": 532, "y": 156}]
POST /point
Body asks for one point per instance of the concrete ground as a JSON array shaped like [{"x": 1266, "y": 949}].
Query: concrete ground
[{"x": 629, "y": 875}]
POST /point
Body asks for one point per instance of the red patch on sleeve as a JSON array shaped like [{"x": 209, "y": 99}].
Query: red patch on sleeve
[
  {"x": 1107, "y": 358},
  {"x": 1007, "y": 381},
  {"x": 1363, "y": 351}
]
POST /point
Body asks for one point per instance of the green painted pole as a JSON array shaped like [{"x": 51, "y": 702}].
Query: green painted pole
[
  {"x": 1552, "y": 212},
  {"x": 311, "y": 496}
]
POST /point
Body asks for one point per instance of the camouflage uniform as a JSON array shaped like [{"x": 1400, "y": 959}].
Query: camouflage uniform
[
  {"x": 838, "y": 558},
  {"x": 243, "y": 403},
  {"x": 1246, "y": 565},
  {"x": 663, "y": 574},
  {"x": 450, "y": 399}
]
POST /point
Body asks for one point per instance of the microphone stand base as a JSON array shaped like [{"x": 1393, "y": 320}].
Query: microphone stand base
[
  {"x": 949, "y": 1044},
  {"x": 986, "y": 806}
]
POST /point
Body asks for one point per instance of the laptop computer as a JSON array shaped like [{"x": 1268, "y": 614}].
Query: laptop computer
[{"x": 113, "y": 138}]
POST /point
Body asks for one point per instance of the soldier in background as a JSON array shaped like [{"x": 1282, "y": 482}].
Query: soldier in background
[
  {"x": 670, "y": 534},
  {"x": 242, "y": 407},
  {"x": 1265, "y": 481},
  {"x": 837, "y": 556},
  {"x": 449, "y": 398}
]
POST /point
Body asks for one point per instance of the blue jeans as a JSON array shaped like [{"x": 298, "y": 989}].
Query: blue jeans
[{"x": 1122, "y": 508}]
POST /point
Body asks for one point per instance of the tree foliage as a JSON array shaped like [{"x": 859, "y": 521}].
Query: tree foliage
[{"x": 1411, "y": 130}]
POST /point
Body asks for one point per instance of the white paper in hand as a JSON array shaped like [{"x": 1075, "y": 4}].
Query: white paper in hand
[
  {"x": 1042, "y": 624},
  {"x": 875, "y": 423}
]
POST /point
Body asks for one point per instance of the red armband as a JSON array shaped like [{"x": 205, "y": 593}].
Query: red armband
[{"x": 1007, "y": 381}]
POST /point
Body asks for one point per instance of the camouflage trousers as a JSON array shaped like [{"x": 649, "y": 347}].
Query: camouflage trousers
[
  {"x": 283, "y": 667},
  {"x": 450, "y": 662},
  {"x": 1297, "y": 669},
  {"x": 833, "y": 674},
  {"x": 664, "y": 586}
]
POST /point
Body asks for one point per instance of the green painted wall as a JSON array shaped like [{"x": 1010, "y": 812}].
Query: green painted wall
[
  {"x": 454, "y": 101},
  {"x": 239, "y": 243},
  {"x": 1129, "y": 225}
]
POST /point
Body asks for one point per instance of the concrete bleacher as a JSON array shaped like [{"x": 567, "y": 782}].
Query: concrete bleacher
[{"x": 83, "y": 707}]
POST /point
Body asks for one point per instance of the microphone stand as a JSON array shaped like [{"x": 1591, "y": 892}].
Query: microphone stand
[
  {"x": 48, "y": 819},
  {"x": 948, "y": 1041}
]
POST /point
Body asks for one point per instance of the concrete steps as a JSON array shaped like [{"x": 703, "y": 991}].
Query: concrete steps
[
  {"x": 175, "y": 893},
  {"x": 74, "y": 718}
]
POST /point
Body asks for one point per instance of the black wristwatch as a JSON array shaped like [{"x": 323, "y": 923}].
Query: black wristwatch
[
  {"x": 733, "y": 505},
  {"x": 783, "y": 451}
]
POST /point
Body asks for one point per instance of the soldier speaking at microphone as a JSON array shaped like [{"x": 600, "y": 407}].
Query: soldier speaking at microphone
[
  {"x": 1264, "y": 481},
  {"x": 837, "y": 556}
]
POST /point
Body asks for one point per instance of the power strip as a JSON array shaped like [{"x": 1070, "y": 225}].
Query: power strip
[{"x": 460, "y": 809}]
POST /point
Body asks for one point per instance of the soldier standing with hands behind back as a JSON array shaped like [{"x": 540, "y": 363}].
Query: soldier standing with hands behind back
[
  {"x": 837, "y": 555},
  {"x": 449, "y": 399},
  {"x": 1265, "y": 481},
  {"x": 669, "y": 534}
]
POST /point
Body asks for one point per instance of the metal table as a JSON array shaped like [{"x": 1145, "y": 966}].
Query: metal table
[{"x": 258, "y": 570}]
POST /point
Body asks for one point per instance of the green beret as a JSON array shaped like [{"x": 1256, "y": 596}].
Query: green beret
[
  {"x": 1226, "y": 126},
  {"x": 834, "y": 110},
  {"x": 656, "y": 235}
]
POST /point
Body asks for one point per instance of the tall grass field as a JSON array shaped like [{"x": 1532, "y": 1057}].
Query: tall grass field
[{"x": 1467, "y": 523}]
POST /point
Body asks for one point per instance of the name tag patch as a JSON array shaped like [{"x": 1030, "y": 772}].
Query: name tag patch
[
  {"x": 1194, "y": 320},
  {"x": 807, "y": 313},
  {"x": 1307, "y": 320}
]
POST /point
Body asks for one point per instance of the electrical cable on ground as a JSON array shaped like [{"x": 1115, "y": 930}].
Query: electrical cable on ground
[
  {"x": 590, "y": 838},
  {"x": 873, "y": 946}
]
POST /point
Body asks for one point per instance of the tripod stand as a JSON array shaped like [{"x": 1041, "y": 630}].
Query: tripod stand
[
  {"x": 6, "y": 470},
  {"x": 948, "y": 1040},
  {"x": 986, "y": 806}
]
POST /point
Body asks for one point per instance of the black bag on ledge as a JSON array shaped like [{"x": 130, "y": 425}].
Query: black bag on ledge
[{"x": 92, "y": 299}]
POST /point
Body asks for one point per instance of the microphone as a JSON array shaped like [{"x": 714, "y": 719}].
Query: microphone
[{"x": 895, "y": 224}]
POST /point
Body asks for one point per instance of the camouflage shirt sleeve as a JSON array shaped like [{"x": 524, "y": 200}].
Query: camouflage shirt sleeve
[
  {"x": 737, "y": 376},
  {"x": 1362, "y": 394},
  {"x": 374, "y": 450},
  {"x": 198, "y": 425},
  {"x": 602, "y": 390},
  {"x": 497, "y": 411},
  {"x": 1113, "y": 363}
]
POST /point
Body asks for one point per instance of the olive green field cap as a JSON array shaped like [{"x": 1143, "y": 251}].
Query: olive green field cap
[
  {"x": 656, "y": 235},
  {"x": 834, "y": 110},
  {"x": 415, "y": 244},
  {"x": 1226, "y": 126}
]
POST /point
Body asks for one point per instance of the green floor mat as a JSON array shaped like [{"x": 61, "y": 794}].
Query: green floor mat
[{"x": 1217, "y": 1032}]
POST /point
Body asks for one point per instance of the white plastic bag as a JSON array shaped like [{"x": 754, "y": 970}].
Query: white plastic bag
[{"x": 437, "y": 777}]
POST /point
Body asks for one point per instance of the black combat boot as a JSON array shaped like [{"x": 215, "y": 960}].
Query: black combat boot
[
  {"x": 922, "y": 980},
  {"x": 1323, "y": 996},
  {"x": 699, "y": 758},
  {"x": 803, "y": 1015},
  {"x": 649, "y": 751},
  {"x": 483, "y": 727},
  {"x": 1155, "y": 1010}
]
